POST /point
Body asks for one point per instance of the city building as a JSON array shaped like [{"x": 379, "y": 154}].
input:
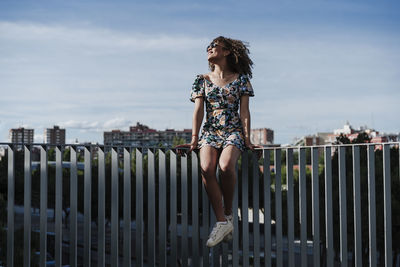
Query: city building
[
  {"x": 347, "y": 129},
  {"x": 21, "y": 135},
  {"x": 327, "y": 138},
  {"x": 54, "y": 136},
  {"x": 142, "y": 135},
  {"x": 262, "y": 136}
]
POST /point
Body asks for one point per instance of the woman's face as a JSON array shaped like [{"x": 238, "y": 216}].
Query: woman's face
[{"x": 216, "y": 51}]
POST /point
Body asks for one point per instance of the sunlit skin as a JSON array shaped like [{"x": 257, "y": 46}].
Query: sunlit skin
[{"x": 221, "y": 197}]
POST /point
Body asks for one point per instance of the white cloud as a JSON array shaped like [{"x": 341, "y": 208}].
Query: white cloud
[
  {"x": 96, "y": 38},
  {"x": 97, "y": 126},
  {"x": 117, "y": 123},
  {"x": 38, "y": 138},
  {"x": 84, "y": 125}
]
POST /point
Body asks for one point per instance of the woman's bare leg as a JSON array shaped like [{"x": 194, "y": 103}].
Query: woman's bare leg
[
  {"x": 227, "y": 164},
  {"x": 208, "y": 164}
]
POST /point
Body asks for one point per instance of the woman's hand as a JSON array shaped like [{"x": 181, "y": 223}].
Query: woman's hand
[
  {"x": 253, "y": 148},
  {"x": 181, "y": 149},
  {"x": 248, "y": 144},
  {"x": 194, "y": 143},
  {"x": 187, "y": 148}
]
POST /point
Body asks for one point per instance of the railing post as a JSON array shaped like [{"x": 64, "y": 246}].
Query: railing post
[
  {"x": 328, "y": 207},
  {"x": 245, "y": 208},
  {"x": 195, "y": 210},
  {"x": 101, "y": 261},
  {"x": 357, "y": 206},
  {"x": 162, "y": 207},
  {"x": 256, "y": 210},
  {"x": 278, "y": 208},
  {"x": 342, "y": 206},
  {"x": 303, "y": 206},
  {"x": 184, "y": 211},
  {"x": 371, "y": 207},
  {"x": 27, "y": 205},
  {"x": 114, "y": 206},
  {"x": 74, "y": 209},
  {"x": 151, "y": 209},
  {"x": 173, "y": 205},
  {"x": 10, "y": 208},
  {"x": 127, "y": 208},
  {"x": 387, "y": 195},
  {"x": 139, "y": 208},
  {"x": 235, "y": 209},
  {"x": 43, "y": 205},
  {"x": 205, "y": 212},
  {"x": 87, "y": 247},
  {"x": 267, "y": 208},
  {"x": 59, "y": 211},
  {"x": 290, "y": 205},
  {"x": 315, "y": 206}
]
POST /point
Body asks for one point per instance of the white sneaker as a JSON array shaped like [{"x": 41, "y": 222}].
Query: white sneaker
[
  {"x": 220, "y": 230},
  {"x": 229, "y": 237}
]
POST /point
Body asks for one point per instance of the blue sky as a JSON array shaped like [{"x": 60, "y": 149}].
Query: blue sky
[{"x": 91, "y": 66}]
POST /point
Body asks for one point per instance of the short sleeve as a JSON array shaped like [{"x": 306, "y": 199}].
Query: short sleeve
[
  {"x": 245, "y": 86},
  {"x": 197, "y": 88}
]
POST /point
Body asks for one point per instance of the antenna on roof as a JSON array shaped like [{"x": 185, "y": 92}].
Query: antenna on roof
[{"x": 372, "y": 121}]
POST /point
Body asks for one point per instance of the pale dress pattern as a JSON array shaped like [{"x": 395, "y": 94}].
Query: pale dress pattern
[{"x": 222, "y": 126}]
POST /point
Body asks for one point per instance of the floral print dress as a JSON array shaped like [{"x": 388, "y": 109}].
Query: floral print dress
[{"x": 222, "y": 126}]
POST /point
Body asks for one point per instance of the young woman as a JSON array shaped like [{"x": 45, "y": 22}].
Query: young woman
[{"x": 224, "y": 92}]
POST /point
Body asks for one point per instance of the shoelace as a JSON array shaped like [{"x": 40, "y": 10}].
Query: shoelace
[{"x": 214, "y": 231}]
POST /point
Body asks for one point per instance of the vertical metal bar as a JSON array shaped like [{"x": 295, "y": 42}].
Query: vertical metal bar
[
  {"x": 245, "y": 208},
  {"x": 371, "y": 206},
  {"x": 184, "y": 212},
  {"x": 43, "y": 205},
  {"x": 278, "y": 207},
  {"x": 59, "y": 211},
  {"x": 357, "y": 206},
  {"x": 162, "y": 207},
  {"x": 10, "y": 208},
  {"x": 173, "y": 206},
  {"x": 303, "y": 205},
  {"x": 195, "y": 210},
  {"x": 215, "y": 250},
  {"x": 114, "y": 207},
  {"x": 235, "y": 209},
  {"x": 256, "y": 211},
  {"x": 315, "y": 206},
  {"x": 387, "y": 195},
  {"x": 290, "y": 205},
  {"x": 27, "y": 205},
  {"x": 342, "y": 206},
  {"x": 220, "y": 251},
  {"x": 101, "y": 210},
  {"x": 73, "y": 243},
  {"x": 267, "y": 208},
  {"x": 127, "y": 208},
  {"x": 139, "y": 208},
  {"x": 87, "y": 208},
  {"x": 328, "y": 206},
  {"x": 151, "y": 209},
  {"x": 206, "y": 226},
  {"x": 225, "y": 254}
]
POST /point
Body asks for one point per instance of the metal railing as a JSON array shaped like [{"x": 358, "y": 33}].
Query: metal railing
[{"x": 124, "y": 206}]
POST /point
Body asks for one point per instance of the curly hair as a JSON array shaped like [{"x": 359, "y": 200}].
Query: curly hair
[{"x": 238, "y": 60}]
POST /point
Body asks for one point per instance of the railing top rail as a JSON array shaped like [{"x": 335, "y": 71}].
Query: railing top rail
[
  {"x": 170, "y": 148},
  {"x": 330, "y": 145}
]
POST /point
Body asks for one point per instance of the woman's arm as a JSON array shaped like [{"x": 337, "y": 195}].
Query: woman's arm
[
  {"x": 245, "y": 119},
  {"x": 198, "y": 115}
]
